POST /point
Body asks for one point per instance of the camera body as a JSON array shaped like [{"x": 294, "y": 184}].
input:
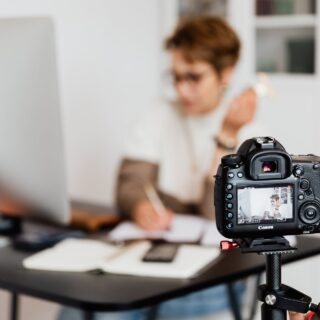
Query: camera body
[{"x": 262, "y": 191}]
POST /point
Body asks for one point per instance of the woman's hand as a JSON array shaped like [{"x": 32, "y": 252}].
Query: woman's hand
[
  {"x": 301, "y": 316},
  {"x": 241, "y": 111},
  {"x": 145, "y": 216},
  {"x": 297, "y": 316}
]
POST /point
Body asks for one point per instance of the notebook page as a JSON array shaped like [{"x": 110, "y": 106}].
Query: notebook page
[
  {"x": 189, "y": 261},
  {"x": 77, "y": 255},
  {"x": 184, "y": 228},
  {"x": 211, "y": 236}
]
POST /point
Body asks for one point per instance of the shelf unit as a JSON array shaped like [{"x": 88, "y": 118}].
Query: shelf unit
[
  {"x": 289, "y": 39},
  {"x": 286, "y": 21},
  {"x": 286, "y": 43}
]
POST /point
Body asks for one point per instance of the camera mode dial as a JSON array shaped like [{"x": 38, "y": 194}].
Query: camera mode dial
[{"x": 231, "y": 160}]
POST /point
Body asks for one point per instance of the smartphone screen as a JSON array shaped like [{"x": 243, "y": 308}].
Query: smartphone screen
[{"x": 161, "y": 252}]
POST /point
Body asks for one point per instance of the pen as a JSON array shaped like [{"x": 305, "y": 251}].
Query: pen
[{"x": 154, "y": 199}]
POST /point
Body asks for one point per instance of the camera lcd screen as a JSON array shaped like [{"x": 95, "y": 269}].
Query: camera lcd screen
[{"x": 258, "y": 205}]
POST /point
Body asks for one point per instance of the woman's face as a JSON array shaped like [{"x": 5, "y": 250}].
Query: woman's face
[
  {"x": 199, "y": 87},
  {"x": 275, "y": 203}
]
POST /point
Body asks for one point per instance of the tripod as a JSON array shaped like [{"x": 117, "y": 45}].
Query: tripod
[{"x": 277, "y": 298}]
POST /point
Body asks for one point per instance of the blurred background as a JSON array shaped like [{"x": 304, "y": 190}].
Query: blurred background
[{"x": 111, "y": 67}]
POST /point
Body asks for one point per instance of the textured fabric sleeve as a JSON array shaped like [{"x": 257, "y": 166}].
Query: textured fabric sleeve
[
  {"x": 133, "y": 175},
  {"x": 206, "y": 205}
]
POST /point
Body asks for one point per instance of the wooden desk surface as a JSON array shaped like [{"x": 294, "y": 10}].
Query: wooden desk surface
[{"x": 113, "y": 292}]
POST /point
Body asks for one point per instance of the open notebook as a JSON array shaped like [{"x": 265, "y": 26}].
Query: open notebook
[
  {"x": 80, "y": 255},
  {"x": 185, "y": 228}
]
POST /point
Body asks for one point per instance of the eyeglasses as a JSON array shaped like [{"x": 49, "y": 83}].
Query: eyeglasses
[{"x": 191, "y": 78}]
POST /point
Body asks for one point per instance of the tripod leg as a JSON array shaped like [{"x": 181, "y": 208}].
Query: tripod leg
[
  {"x": 234, "y": 303},
  {"x": 152, "y": 313},
  {"x": 14, "y": 306},
  {"x": 254, "y": 302},
  {"x": 88, "y": 315},
  {"x": 269, "y": 313}
]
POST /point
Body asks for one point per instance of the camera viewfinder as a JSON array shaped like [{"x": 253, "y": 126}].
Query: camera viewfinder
[{"x": 269, "y": 166}]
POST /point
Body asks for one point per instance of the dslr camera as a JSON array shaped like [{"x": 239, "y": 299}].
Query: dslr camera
[{"x": 262, "y": 191}]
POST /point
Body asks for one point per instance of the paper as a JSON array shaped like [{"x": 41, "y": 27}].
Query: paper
[
  {"x": 184, "y": 228},
  {"x": 71, "y": 255},
  {"x": 211, "y": 236},
  {"x": 79, "y": 255}
]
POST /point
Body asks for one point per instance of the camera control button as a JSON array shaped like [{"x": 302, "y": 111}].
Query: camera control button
[
  {"x": 240, "y": 174},
  {"x": 298, "y": 171},
  {"x": 229, "y": 196},
  {"x": 230, "y": 175},
  {"x": 309, "y": 192},
  {"x": 229, "y": 205},
  {"x": 310, "y": 213},
  {"x": 316, "y": 166},
  {"x": 231, "y": 160},
  {"x": 308, "y": 229},
  {"x": 229, "y": 215},
  {"x": 304, "y": 184},
  {"x": 229, "y": 186},
  {"x": 229, "y": 225},
  {"x": 300, "y": 196}
]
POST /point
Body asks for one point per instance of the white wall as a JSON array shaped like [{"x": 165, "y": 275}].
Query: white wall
[
  {"x": 292, "y": 114},
  {"x": 108, "y": 55}
]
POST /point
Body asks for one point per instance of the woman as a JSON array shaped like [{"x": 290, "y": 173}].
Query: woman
[
  {"x": 275, "y": 209},
  {"x": 176, "y": 147}
]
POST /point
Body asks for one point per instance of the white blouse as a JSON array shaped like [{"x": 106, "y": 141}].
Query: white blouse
[{"x": 182, "y": 146}]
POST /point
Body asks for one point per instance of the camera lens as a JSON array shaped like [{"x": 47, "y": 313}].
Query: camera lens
[{"x": 269, "y": 166}]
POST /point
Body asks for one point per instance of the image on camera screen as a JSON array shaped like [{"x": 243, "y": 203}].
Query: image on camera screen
[{"x": 265, "y": 205}]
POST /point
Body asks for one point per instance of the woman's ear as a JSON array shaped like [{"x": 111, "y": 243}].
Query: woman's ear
[{"x": 226, "y": 75}]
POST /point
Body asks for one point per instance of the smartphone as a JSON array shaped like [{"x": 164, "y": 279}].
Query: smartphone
[{"x": 161, "y": 252}]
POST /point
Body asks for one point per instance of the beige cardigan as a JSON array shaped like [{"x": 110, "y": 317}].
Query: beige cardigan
[{"x": 134, "y": 175}]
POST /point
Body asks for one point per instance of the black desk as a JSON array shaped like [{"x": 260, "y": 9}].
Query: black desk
[{"x": 92, "y": 292}]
